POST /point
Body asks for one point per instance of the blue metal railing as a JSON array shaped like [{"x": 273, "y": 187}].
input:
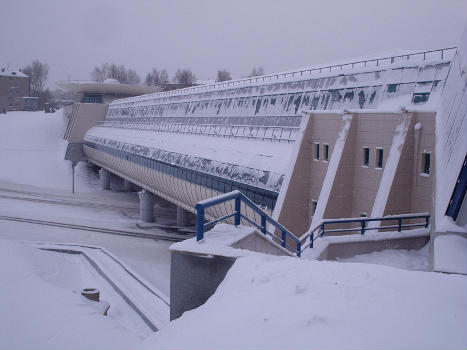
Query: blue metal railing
[
  {"x": 320, "y": 230},
  {"x": 286, "y": 237}
]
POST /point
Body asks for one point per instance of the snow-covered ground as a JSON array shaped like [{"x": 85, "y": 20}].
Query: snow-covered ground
[
  {"x": 33, "y": 167},
  {"x": 32, "y": 151},
  {"x": 264, "y": 302},
  {"x": 268, "y": 302},
  {"x": 413, "y": 260},
  {"x": 41, "y": 305}
]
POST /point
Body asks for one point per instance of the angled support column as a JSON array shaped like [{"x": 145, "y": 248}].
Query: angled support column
[
  {"x": 146, "y": 206},
  {"x": 104, "y": 179},
  {"x": 182, "y": 217}
]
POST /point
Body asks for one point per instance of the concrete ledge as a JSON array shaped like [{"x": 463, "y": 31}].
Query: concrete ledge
[
  {"x": 197, "y": 268},
  {"x": 333, "y": 247}
]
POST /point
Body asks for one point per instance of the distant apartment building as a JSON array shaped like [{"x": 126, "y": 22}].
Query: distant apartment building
[{"x": 14, "y": 85}]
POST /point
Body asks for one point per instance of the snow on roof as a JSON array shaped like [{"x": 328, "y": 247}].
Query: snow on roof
[
  {"x": 12, "y": 73},
  {"x": 109, "y": 86},
  {"x": 386, "y": 62}
]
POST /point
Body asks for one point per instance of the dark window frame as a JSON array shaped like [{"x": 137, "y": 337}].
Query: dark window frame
[{"x": 379, "y": 158}]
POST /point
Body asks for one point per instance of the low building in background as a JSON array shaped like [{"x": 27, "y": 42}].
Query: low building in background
[
  {"x": 14, "y": 85},
  {"x": 92, "y": 99},
  {"x": 30, "y": 103}
]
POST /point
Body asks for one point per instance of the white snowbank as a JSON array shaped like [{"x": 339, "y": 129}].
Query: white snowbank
[
  {"x": 447, "y": 224},
  {"x": 218, "y": 241},
  {"x": 450, "y": 254},
  {"x": 32, "y": 151},
  {"x": 414, "y": 260},
  {"x": 41, "y": 305},
  {"x": 270, "y": 302}
]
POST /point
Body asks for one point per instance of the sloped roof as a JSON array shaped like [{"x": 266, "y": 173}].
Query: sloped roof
[{"x": 12, "y": 73}]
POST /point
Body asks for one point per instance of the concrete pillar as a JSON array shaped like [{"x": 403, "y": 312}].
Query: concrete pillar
[
  {"x": 128, "y": 186},
  {"x": 182, "y": 217},
  {"x": 104, "y": 177},
  {"x": 146, "y": 206}
]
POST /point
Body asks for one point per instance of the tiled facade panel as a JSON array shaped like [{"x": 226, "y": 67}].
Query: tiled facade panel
[
  {"x": 373, "y": 132},
  {"x": 308, "y": 174},
  {"x": 355, "y": 185}
]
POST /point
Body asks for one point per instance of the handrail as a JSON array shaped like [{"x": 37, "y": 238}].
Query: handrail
[
  {"x": 239, "y": 197},
  {"x": 320, "y": 229},
  {"x": 310, "y": 236},
  {"x": 277, "y": 76}
]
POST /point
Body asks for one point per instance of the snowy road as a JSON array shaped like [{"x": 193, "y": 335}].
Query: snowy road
[
  {"x": 149, "y": 258},
  {"x": 34, "y": 171}
]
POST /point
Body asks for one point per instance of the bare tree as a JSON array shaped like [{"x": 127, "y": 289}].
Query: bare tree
[
  {"x": 113, "y": 71},
  {"x": 156, "y": 77},
  {"x": 223, "y": 75},
  {"x": 44, "y": 96},
  {"x": 256, "y": 72},
  {"x": 184, "y": 76},
  {"x": 132, "y": 77},
  {"x": 163, "y": 77},
  {"x": 37, "y": 72}
]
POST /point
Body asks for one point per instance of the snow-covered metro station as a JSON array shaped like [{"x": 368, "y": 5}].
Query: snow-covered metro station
[{"x": 354, "y": 139}]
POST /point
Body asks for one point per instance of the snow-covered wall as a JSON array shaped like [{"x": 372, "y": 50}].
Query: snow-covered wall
[
  {"x": 451, "y": 131},
  {"x": 363, "y": 88}
]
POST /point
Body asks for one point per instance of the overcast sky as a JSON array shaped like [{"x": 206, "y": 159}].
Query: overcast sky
[{"x": 75, "y": 36}]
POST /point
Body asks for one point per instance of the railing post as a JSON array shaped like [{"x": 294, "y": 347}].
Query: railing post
[
  {"x": 399, "y": 225},
  {"x": 427, "y": 221},
  {"x": 322, "y": 230},
  {"x": 362, "y": 231},
  {"x": 199, "y": 222},
  {"x": 299, "y": 249},
  {"x": 283, "y": 238},
  {"x": 237, "y": 211},
  {"x": 312, "y": 239},
  {"x": 263, "y": 224}
]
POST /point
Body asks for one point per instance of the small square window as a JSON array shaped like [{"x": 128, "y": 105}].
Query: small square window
[
  {"x": 317, "y": 151},
  {"x": 366, "y": 156},
  {"x": 426, "y": 163},
  {"x": 314, "y": 204},
  {"x": 326, "y": 152},
  {"x": 379, "y": 158}
]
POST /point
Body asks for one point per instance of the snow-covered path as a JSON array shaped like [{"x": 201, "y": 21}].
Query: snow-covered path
[{"x": 149, "y": 258}]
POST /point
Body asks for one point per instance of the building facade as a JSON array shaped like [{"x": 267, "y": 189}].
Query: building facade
[
  {"x": 326, "y": 142},
  {"x": 14, "y": 85}
]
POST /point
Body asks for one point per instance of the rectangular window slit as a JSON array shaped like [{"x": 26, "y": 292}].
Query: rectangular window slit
[
  {"x": 426, "y": 163},
  {"x": 366, "y": 156},
  {"x": 379, "y": 158},
  {"x": 317, "y": 151},
  {"x": 326, "y": 152}
]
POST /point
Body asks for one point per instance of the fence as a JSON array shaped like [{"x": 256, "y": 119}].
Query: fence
[
  {"x": 362, "y": 227},
  {"x": 286, "y": 238},
  {"x": 239, "y": 197}
]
